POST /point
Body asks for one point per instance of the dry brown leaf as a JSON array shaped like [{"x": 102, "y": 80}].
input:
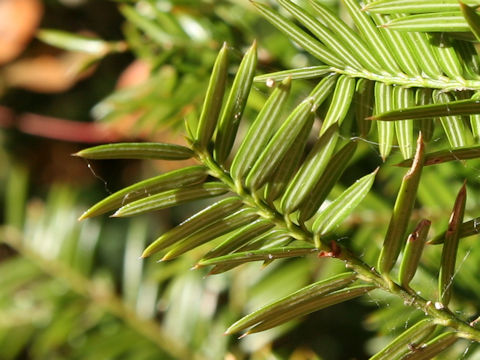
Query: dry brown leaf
[
  {"x": 48, "y": 73},
  {"x": 18, "y": 21},
  {"x": 134, "y": 74}
]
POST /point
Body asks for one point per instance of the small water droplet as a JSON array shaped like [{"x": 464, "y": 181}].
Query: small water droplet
[{"x": 439, "y": 306}]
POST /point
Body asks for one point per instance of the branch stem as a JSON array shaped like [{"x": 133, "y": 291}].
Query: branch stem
[
  {"x": 254, "y": 201},
  {"x": 441, "y": 314},
  {"x": 443, "y": 83}
]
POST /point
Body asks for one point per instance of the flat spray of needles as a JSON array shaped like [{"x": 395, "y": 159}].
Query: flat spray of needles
[{"x": 405, "y": 77}]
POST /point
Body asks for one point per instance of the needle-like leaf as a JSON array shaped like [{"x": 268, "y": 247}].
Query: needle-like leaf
[
  {"x": 319, "y": 303},
  {"x": 424, "y": 53},
  {"x": 240, "y": 237},
  {"x": 364, "y": 104},
  {"x": 446, "y": 56},
  {"x": 335, "y": 168},
  {"x": 372, "y": 35},
  {"x": 441, "y": 156},
  {"x": 75, "y": 42},
  {"x": 433, "y": 347},
  {"x": 450, "y": 247},
  {"x": 414, "y": 6},
  {"x": 323, "y": 33},
  {"x": 413, "y": 336},
  {"x": 310, "y": 72},
  {"x": 178, "y": 178},
  {"x": 259, "y": 255},
  {"x": 259, "y": 132},
  {"x": 342, "y": 98},
  {"x": 290, "y": 163},
  {"x": 413, "y": 252},
  {"x": 151, "y": 27},
  {"x": 213, "y": 99},
  {"x": 310, "y": 172},
  {"x": 394, "y": 239},
  {"x": 279, "y": 145},
  {"x": 400, "y": 45},
  {"x": 291, "y": 301},
  {"x": 271, "y": 239},
  {"x": 404, "y": 128},
  {"x": 323, "y": 89},
  {"x": 299, "y": 36},
  {"x": 468, "y": 54},
  {"x": 459, "y": 107},
  {"x": 197, "y": 222},
  {"x": 233, "y": 109},
  {"x": 356, "y": 45},
  {"x": 431, "y": 22},
  {"x": 136, "y": 151},
  {"x": 473, "y": 19},
  {"x": 423, "y": 96},
  {"x": 468, "y": 228},
  {"x": 223, "y": 226},
  {"x": 475, "y": 120},
  {"x": 384, "y": 103},
  {"x": 171, "y": 198},
  {"x": 343, "y": 205},
  {"x": 452, "y": 125}
]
